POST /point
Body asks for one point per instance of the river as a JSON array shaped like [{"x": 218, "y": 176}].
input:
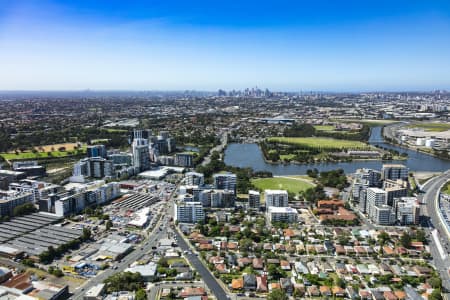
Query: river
[{"x": 250, "y": 155}]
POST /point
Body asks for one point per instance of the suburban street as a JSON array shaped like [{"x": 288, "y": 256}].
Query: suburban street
[{"x": 208, "y": 278}]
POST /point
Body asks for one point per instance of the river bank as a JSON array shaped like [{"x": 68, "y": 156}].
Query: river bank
[
  {"x": 389, "y": 137},
  {"x": 250, "y": 155}
]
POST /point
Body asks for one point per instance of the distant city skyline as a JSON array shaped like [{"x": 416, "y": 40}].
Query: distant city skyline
[{"x": 335, "y": 46}]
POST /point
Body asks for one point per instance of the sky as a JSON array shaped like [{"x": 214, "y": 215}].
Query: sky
[{"x": 365, "y": 45}]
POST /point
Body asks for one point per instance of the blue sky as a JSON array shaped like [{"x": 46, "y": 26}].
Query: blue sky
[{"x": 206, "y": 45}]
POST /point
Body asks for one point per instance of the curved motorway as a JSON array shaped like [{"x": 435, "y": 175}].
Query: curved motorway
[{"x": 430, "y": 198}]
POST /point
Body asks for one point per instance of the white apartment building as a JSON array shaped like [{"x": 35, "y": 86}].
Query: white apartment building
[
  {"x": 254, "y": 198},
  {"x": 383, "y": 215},
  {"x": 282, "y": 214},
  {"x": 277, "y": 198},
  {"x": 141, "y": 154},
  {"x": 407, "y": 210},
  {"x": 394, "y": 172},
  {"x": 194, "y": 178},
  {"x": 375, "y": 197},
  {"x": 189, "y": 212}
]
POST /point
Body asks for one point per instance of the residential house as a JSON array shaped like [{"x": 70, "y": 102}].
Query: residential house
[
  {"x": 338, "y": 291},
  {"x": 237, "y": 283},
  {"x": 286, "y": 285},
  {"x": 250, "y": 282},
  {"x": 261, "y": 284},
  {"x": 313, "y": 291},
  {"x": 325, "y": 291},
  {"x": 258, "y": 263}
]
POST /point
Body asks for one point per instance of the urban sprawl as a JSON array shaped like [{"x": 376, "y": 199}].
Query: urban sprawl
[{"x": 226, "y": 195}]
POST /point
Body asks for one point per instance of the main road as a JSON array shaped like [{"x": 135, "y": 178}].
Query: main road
[
  {"x": 154, "y": 237},
  {"x": 209, "y": 279},
  {"x": 430, "y": 198},
  {"x": 219, "y": 148},
  {"x": 206, "y": 275}
]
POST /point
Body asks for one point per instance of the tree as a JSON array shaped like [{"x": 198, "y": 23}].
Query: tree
[
  {"x": 141, "y": 295},
  {"x": 163, "y": 262},
  {"x": 405, "y": 240},
  {"x": 109, "y": 224},
  {"x": 435, "y": 282},
  {"x": 275, "y": 272},
  {"x": 435, "y": 295},
  {"x": 124, "y": 281},
  {"x": 171, "y": 272},
  {"x": 343, "y": 239},
  {"x": 383, "y": 237},
  {"x": 86, "y": 234},
  {"x": 28, "y": 262},
  {"x": 58, "y": 273},
  {"x": 24, "y": 209},
  {"x": 45, "y": 257},
  {"x": 277, "y": 294},
  {"x": 340, "y": 282},
  {"x": 421, "y": 236}
]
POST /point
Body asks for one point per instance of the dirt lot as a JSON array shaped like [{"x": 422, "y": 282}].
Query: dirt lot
[{"x": 48, "y": 148}]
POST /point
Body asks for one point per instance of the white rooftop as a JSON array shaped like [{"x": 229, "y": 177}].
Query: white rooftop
[
  {"x": 275, "y": 192},
  {"x": 274, "y": 209}
]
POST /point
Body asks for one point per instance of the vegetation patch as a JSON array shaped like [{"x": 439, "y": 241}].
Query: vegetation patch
[{"x": 446, "y": 188}]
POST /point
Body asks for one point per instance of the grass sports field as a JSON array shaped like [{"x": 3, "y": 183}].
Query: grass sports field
[
  {"x": 31, "y": 155},
  {"x": 324, "y": 127},
  {"x": 431, "y": 126},
  {"x": 322, "y": 143},
  {"x": 280, "y": 183}
]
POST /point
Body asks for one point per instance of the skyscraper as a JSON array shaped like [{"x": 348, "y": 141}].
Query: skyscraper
[
  {"x": 253, "y": 199},
  {"x": 277, "y": 198},
  {"x": 225, "y": 181},
  {"x": 141, "y": 154},
  {"x": 96, "y": 151},
  {"x": 394, "y": 172}
]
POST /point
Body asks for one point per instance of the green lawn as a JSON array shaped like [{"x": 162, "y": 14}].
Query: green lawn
[
  {"x": 431, "y": 126},
  {"x": 323, "y": 143},
  {"x": 277, "y": 183},
  {"x": 324, "y": 127},
  {"x": 287, "y": 156},
  {"x": 31, "y": 155}
]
